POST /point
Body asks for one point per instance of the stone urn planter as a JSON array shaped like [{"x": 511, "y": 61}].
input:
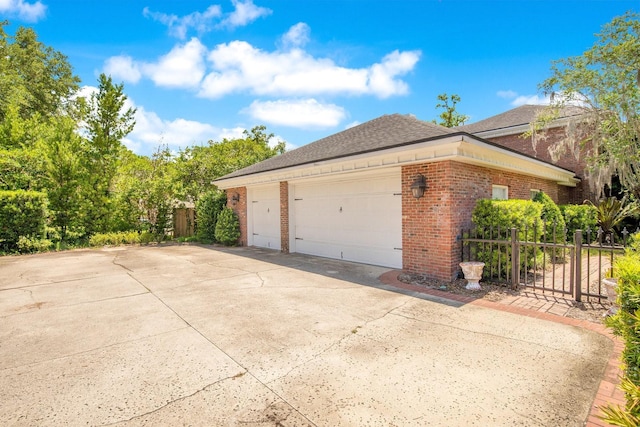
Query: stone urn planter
[
  {"x": 472, "y": 271},
  {"x": 611, "y": 285}
]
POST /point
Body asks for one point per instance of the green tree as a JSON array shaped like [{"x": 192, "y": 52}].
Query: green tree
[
  {"x": 198, "y": 166},
  {"x": 207, "y": 210},
  {"x": 449, "y": 117},
  {"x": 194, "y": 171},
  {"x": 107, "y": 123},
  {"x": 233, "y": 154},
  {"x": 35, "y": 77},
  {"x": 128, "y": 211},
  {"x": 227, "y": 228},
  {"x": 604, "y": 80},
  {"x": 20, "y": 160},
  {"x": 63, "y": 174},
  {"x": 158, "y": 191},
  {"x": 36, "y": 81},
  {"x": 144, "y": 192}
]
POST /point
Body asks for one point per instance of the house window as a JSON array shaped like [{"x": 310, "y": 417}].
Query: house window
[
  {"x": 534, "y": 192},
  {"x": 499, "y": 192}
]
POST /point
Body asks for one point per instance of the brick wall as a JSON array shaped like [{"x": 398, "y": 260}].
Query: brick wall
[
  {"x": 567, "y": 161},
  {"x": 432, "y": 225},
  {"x": 520, "y": 186},
  {"x": 284, "y": 217},
  {"x": 240, "y": 208}
]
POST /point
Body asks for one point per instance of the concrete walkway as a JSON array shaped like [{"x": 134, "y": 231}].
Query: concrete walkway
[{"x": 189, "y": 335}]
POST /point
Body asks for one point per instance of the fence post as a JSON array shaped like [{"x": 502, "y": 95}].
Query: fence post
[
  {"x": 515, "y": 259},
  {"x": 577, "y": 240}
]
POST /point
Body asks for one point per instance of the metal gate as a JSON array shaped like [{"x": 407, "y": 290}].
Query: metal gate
[{"x": 515, "y": 257}]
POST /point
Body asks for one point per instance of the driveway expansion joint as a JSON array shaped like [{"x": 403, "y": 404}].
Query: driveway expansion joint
[
  {"x": 179, "y": 399},
  {"x": 352, "y": 332},
  {"x": 92, "y": 350}
]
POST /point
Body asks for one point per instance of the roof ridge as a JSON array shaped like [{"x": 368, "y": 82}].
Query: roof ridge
[{"x": 386, "y": 131}]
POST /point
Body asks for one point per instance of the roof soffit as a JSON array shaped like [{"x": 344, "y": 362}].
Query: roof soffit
[{"x": 462, "y": 148}]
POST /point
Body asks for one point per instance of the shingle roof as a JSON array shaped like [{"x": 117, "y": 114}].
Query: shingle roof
[
  {"x": 519, "y": 116},
  {"x": 384, "y": 132}
]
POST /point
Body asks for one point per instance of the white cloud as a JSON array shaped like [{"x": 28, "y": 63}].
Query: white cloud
[
  {"x": 122, "y": 68},
  {"x": 517, "y": 100},
  {"x": 564, "y": 98},
  {"x": 86, "y": 92},
  {"x": 382, "y": 79},
  {"x": 245, "y": 12},
  {"x": 179, "y": 26},
  {"x": 507, "y": 94},
  {"x": 25, "y": 11},
  {"x": 352, "y": 124},
  {"x": 304, "y": 114},
  {"x": 233, "y": 133},
  {"x": 151, "y": 131},
  {"x": 297, "y": 36},
  {"x": 239, "y": 67},
  {"x": 182, "y": 67},
  {"x": 530, "y": 100}
]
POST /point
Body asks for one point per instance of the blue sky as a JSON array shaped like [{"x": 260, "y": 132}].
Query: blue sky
[{"x": 203, "y": 70}]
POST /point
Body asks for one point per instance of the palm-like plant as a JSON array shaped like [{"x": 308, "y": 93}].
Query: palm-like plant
[{"x": 611, "y": 212}]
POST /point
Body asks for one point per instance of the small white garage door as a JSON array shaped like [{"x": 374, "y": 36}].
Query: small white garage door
[
  {"x": 356, "y": 220},
  {"x": 263, "y": 221}
]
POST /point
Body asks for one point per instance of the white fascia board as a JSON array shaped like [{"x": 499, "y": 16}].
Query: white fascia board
[
  {"x": 460, "y": 148},
  {"x": 480, "y": 153},
  {"x": 494, "y": 133},
  {"x": 519, "y": 129}
]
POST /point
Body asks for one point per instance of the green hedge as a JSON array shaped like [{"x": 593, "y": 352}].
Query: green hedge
[
  {"x": 227, "y": 228},
  {"x": 626, "y": 324},
  {"x": 525, "y": 215},
  {"x": 579, "y": 217},
  {"x": 22, "y": 214},
  {"x": 551, "y": 217},
  {"x": 207, "y": 210},
  {"x": 116, "y": 238},
  {"x": 494, "y": 220}
]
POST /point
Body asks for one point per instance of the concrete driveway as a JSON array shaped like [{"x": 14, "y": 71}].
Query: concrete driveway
[{"x": 190, "y": 335}]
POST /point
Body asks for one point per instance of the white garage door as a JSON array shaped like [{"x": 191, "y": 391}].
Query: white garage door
[
  {"x": 263, "y": 219},
  {"x": 357, "y": 220}
]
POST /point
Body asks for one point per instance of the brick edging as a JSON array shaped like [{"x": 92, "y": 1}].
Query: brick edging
[{"x": 608, "y": 391}]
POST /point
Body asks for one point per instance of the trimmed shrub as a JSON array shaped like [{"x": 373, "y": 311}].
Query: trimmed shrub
[
  {"x": 115, "y": 239},
  {"x": 525, "y": 215},
  {"x": 147, "y": 237},
  {"x": 579, "y": 217},
  {"x": 28, "y": 245},
  {"x": 626, "y": 324},
  {"x": 22, "y": 214},
  {"x": 227, "y": 228},
  {"x": 494, "y": 220},
  {"x": 553, "y": 226},
  {"x": 551, "y": 217},
  {"x": 207, "y": 211}
]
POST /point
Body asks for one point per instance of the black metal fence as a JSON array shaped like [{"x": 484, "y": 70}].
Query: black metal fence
[{"x": 543, "y": 259}]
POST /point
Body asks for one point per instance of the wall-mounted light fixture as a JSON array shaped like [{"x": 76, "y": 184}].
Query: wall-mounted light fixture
[
  {"x": 418, "y": 186},
  {"x": 235, "y": 198}
]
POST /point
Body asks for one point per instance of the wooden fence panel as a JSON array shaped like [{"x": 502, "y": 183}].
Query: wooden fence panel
[{"x": 184, "y": 222}]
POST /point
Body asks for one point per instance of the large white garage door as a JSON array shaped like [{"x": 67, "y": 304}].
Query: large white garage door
[
  {"x": 356, "y": 220},
  {"x": 263, "y": 219}
]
